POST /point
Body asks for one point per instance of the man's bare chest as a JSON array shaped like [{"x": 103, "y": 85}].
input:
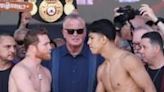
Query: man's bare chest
[
  {"x": 113, "y": 76},
  {"x": 40, "y": 82}
]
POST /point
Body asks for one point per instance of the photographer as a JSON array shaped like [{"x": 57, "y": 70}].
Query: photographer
[
  {"x": 122, "y": 21},
  {"x": 155, "y": 64},
  {"x": 148, "y": 13}
]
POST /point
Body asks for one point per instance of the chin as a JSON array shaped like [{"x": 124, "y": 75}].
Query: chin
[
  {"x": 94, "y": 52},
  {"x": 45, "y": 57},
  {"x": 48, "y": 57}
]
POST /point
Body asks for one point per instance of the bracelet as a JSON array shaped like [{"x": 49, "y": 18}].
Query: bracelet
[{"x": 156, "y": 23}]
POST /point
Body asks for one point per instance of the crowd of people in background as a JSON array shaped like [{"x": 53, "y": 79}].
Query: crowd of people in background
[{"x": 120, "y": 55}]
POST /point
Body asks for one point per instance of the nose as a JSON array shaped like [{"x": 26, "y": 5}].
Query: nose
[
  {"x": 75, "y": 33},
  {"x": 49, "y": 46},
  {"x": 88, "y": 42},
  {"x": 13, "y": 49}
]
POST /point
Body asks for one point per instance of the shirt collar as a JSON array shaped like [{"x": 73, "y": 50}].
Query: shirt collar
[{"x": 83, "y": 52}]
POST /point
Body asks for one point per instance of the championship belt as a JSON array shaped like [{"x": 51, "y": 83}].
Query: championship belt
[
  {"x": 50, "y": 10},
  {"x": 34, "y": 7},
  {"x": 68, "y": 7}
]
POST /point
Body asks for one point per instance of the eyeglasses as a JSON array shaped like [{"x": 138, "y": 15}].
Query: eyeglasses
[
  {"x": 78, "y": 31},
  {"x": 20, "y": 42}
]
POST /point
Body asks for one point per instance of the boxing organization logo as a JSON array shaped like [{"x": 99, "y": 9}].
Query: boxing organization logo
[
  {"x": 50, "y": 10},
  {"x": 45, "y": 11}
]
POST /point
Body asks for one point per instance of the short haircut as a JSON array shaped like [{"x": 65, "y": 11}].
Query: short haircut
[
  {"x": 32, "y": 36},
  {"x": 73, "y": 16},
  {"x": 155, "y": 38},
  {"x": 104, "y": 27},
  {"x": 5, "y": 34}
]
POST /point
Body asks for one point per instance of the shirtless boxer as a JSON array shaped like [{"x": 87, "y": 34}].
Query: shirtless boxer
[
  {"x": 121, "y": 71},
  {"x": 29, "y": 75}
]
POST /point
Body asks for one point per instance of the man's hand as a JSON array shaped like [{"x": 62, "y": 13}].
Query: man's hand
[{"x": 148, "y": 12}]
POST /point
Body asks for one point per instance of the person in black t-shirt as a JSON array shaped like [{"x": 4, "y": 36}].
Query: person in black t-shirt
[
  {"x": 7, "y": 53},
  {"x": 152, "y": 50}
]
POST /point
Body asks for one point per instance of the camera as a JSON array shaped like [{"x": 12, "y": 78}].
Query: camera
[{"x": 127, "y": 13}]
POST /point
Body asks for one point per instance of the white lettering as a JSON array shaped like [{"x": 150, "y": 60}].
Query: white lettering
[{"x": 9, "y": 5}]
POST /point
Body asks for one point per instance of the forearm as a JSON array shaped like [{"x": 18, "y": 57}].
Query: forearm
[
  {"x": 161, "y": 27},
  {"x": 22, "y": 25},
  {"x": 159, "y": 24}
]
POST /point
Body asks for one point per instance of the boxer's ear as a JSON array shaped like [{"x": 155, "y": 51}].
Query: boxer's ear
[
  {"x": 156, "y": 48},
  {"x": 105, "y": 39}
]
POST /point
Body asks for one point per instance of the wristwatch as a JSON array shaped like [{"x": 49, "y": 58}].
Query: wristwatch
[{"x": 156, "y": 23}]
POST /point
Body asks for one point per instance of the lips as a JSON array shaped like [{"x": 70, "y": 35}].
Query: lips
[
  {"x": 11, "y": 55},
  {"x": 75, "y": 39},
  {"x": 90, "y": 47}
]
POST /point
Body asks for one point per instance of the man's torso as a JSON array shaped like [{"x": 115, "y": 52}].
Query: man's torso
[
  {"x": 116, "y": 79},
  {"x": 40, "y": 81},
  {"x": 74, "y": 73}
]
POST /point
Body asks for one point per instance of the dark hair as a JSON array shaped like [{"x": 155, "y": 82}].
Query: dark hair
[
  {"x": 155, "y": 38},
  {"x": 53, "y": 42},
  {"x": 32, "y": 36},
  {"x": 5, "y": 34},
  {"x": 105, "y": 27},
  {"x": 127, "y": 13}
]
